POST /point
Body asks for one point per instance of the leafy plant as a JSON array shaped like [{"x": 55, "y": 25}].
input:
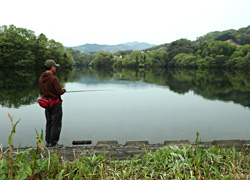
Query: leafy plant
[{"x": 10, "y": 142}]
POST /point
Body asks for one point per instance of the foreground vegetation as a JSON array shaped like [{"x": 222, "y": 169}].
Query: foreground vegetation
[{"x": 167, "y": 163}]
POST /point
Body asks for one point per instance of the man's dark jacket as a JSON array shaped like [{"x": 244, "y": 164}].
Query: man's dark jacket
[{"x": 50, "y": 86}]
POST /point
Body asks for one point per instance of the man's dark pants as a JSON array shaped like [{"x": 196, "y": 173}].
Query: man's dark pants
[{"x": 53, "y": 124}]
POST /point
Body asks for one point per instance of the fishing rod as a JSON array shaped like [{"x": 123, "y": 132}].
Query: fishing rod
[{"x": 85, "y": 91}]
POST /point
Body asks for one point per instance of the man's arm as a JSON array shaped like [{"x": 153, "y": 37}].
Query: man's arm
[
  {"x": 40, "y": 88},
  {"x": 58, "y": 88}
]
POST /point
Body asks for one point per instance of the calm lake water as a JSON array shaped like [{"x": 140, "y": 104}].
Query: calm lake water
[{"x": 154, "y": 105}]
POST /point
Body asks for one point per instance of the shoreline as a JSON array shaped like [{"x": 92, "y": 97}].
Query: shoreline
[{"x": 130, "y": 149}]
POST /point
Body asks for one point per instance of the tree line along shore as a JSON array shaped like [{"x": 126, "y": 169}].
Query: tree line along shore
[{"x": 20, "y": 47}]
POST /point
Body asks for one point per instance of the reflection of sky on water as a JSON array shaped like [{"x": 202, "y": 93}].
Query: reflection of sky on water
[
  {"x": 131, "y": 111},
  {"x": 121, "y": 82}
]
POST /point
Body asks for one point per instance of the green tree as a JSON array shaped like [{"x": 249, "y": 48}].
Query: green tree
[
  {"x": 20, "y": 47},
  {"x": 102, "y": 59},
  {"x": 238, "y": 58},
  {"x": 158, "y": 58},
  {"x": 184, "y": 60},
  {"x": 14, "y": 45},
  {"x": 126, "y": 61},
  {"x": 41, "y": 50},
  {"x": 180, "y": 46},
  {"x": 80, "y": 58},
  {"x": 242, "y": 36},
  {"x": 203, "y": 62},
  {"x": 219, "y": 51}
]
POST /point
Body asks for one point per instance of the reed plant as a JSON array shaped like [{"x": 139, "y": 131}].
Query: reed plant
[{"x": 174, "y": 162}]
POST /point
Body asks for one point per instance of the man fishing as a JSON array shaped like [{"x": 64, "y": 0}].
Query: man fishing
[{"x": 51, "y": 88}]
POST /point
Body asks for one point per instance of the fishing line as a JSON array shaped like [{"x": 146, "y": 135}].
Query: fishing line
[{"x": 85, "y": 91}]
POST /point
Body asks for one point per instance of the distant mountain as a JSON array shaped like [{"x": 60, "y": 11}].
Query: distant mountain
[
  {"x": 91, "y": 48},
  {"x": 139, "y": 46}
]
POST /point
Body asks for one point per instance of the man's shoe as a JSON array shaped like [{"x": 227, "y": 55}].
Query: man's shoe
[
  {"x": 48, "y": 145},
  {"x": 57, "y": 145}
]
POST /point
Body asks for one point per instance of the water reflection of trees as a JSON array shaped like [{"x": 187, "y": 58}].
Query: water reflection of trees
[
  {"x": 17, "y": 88},
  {"x": 22, "y": 88},
  {"x": 212, "y": 84}
]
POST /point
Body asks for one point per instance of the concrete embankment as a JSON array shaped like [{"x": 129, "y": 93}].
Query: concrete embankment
[{"x": 131, "y": 149}]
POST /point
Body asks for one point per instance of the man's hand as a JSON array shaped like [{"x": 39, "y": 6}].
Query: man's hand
[{"x": 64, "y": 89}]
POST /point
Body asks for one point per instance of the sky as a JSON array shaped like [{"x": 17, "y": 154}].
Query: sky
[{"x": 77, "y": 22}]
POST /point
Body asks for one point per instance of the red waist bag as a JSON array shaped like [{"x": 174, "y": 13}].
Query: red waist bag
[{"x": 47, "y": 102}]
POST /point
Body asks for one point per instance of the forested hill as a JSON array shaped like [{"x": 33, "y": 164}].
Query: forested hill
[
  {"x": 237, "y": 37},
  {"x": 240, "y": 36},
  {"x": 225, "y": 49},
  {"x": 92, "y": 48}
]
